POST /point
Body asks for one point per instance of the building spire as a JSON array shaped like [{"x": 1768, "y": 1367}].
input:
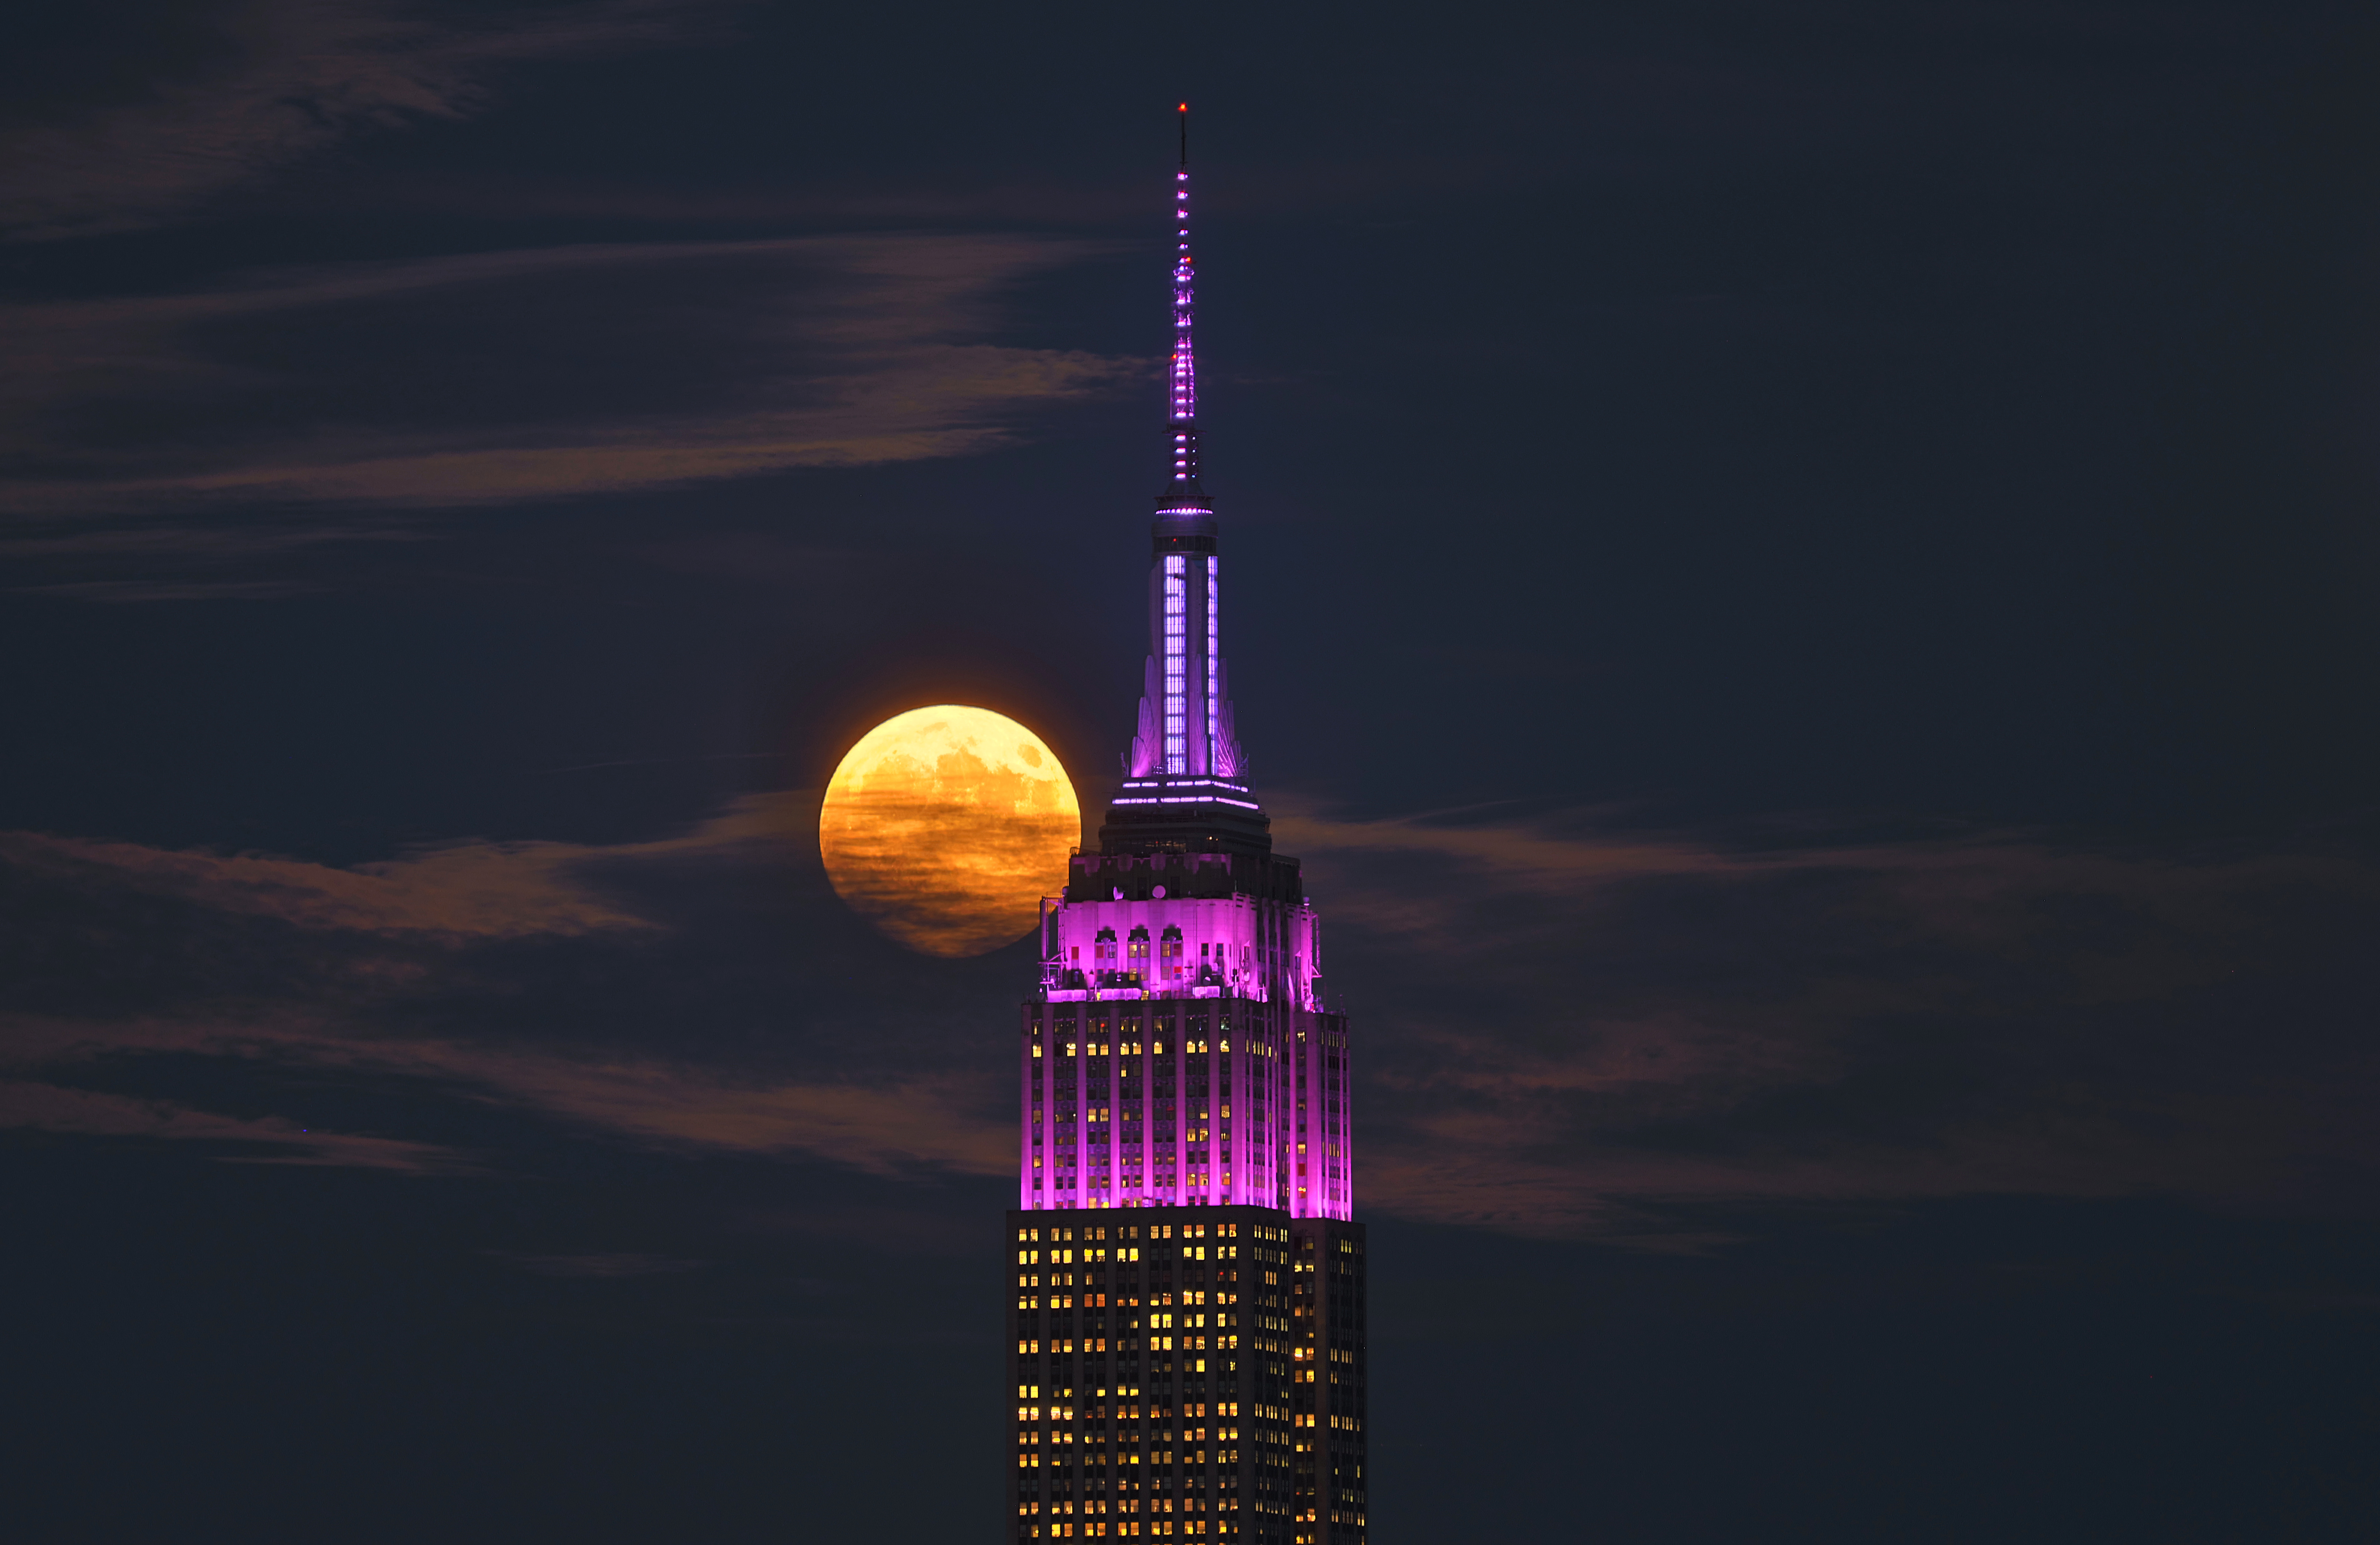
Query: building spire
[
  {"x": 1182, "y": 490},
  {"x": 1185, "y": 761}
]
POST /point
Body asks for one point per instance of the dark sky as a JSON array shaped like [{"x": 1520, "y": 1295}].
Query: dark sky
[{"x": 1802, "y": 575}]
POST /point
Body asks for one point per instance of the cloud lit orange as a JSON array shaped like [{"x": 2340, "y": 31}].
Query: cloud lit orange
[{"x": 945, "y": 826}]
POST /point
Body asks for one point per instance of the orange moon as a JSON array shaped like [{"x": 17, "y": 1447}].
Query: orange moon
[{"x": 945, "y": 826}]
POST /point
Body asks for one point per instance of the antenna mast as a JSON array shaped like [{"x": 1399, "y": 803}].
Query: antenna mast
[{"x": 1182, "y": 375}]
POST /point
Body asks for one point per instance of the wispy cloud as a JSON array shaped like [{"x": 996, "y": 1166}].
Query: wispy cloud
[
  {"x": 883, "y": 1120},
  {"x": 1563, "y": 1027},
  {"x": 389, "y": 937},
  {"x": 463, "y": 890},
  {"x": 1582, "y": 1029},
  {"x": 902, "y": 1124},
  {"x": 265, "y": 1140},
  {"x": 565, "y": 374},
  {"x": 234, "y": 91}
]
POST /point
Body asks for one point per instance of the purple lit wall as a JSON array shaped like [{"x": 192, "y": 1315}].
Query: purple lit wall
[{"x": 1179, "y": 1052}]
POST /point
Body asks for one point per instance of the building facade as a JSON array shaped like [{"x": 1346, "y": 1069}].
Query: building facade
[{"x": 1187, "y": 1336}]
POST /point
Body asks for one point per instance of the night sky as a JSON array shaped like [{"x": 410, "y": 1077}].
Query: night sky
[{"x": 1802, "y": 577}]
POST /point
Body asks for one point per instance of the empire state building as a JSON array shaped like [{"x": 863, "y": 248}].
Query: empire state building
[{"x": 1187, "y": 1328}]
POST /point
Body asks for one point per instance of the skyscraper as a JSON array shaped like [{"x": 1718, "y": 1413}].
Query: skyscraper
[{"x": 1188, "y": 1328}]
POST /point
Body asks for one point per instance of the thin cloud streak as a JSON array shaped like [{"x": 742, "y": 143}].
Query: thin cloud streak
[
  {"x": 1603, "y": 1036},
  {"x": 270, "y": 82},
  {"x": 905, "y": 1127},
  {"x": 1591, "y": 1034},
  {"x": 845, "y": 351},
  {"x": 902, "y": 1125},
  {"x": 463, "y": 890},
  {"x": 882, "y": 1118},
  {"x": 26, "y": 1104}
]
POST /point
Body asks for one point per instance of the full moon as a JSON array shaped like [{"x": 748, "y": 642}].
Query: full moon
[{"x": 945, "y": 826}]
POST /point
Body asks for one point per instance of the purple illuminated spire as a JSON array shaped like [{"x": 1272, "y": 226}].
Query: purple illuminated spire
[
  {"x": 1185, "y": 730},
  {"x": 1182, "y": 371}
]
